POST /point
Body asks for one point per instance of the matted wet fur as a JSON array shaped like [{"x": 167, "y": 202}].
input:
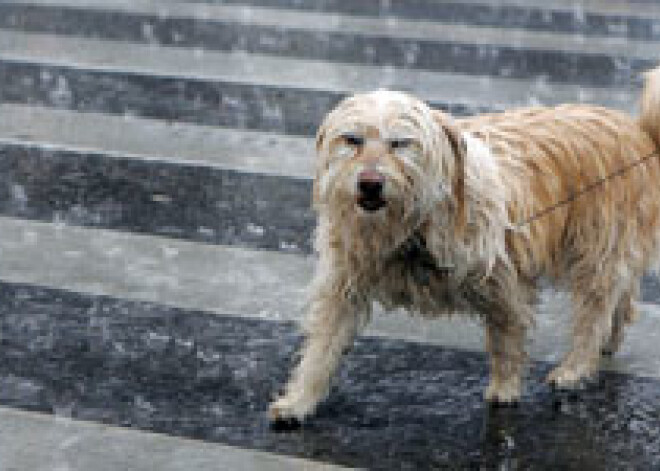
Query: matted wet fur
[{"x": 422, "y": 211}]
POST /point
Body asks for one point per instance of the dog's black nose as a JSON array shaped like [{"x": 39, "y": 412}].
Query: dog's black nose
[
  {"x": 370, "y": 188},
  {"x": 370, "y": 183}
]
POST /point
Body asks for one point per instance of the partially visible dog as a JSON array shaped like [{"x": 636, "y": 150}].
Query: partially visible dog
[{"x": 445, "y": 216}]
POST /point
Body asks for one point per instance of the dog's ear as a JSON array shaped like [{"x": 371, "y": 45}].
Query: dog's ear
[
  {"x": 459, "y": 149},
  {"x": 320, "y": 137}
]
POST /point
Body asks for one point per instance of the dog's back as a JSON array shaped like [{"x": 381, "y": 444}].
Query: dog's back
[{"x": 590, "y": 170}]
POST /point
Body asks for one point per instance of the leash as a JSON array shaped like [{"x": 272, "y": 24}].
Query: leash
[
  {"x": 587, "y": 189},
  {"x": 415, "y": 252}
]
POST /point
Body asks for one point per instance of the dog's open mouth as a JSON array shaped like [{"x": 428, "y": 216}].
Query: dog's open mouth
[{"x": 370, "y": 204}]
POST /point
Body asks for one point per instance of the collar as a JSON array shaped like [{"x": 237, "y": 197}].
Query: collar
[{"x": 415, "y": 254}]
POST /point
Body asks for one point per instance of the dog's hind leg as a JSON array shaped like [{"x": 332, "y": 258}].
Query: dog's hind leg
[
  {"x": 595, "y": 309},
  {"x": 625, "y": 313},
  {"x": 333, "y": 322}
]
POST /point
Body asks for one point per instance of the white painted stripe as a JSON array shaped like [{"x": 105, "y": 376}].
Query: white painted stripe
[
  {"x": 643, "y": 9},
  {"x": 633, "y": 8},
  {"x": 221, "y": 279},
  {"x": 255, "y": 69},
  {"x": 254, "y": 284},
  {"x": 148, "y": 139},
  {"x": 375, "y": 27},
  {"x": 39, "y": 442}
]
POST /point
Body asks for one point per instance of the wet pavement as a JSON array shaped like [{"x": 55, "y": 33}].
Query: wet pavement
[
  {"x": 155, "y": 235},
  {"x": 395, "y": 405}
]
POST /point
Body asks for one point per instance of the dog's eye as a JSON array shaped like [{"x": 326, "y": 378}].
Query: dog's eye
[
  {"x": 353, "y": 140},
  {"x": 401, "y": 143}
]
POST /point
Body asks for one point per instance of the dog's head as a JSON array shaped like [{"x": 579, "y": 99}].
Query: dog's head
[{"x": 385, "y": 158}]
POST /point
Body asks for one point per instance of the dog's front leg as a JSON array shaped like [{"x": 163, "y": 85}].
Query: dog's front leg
[
  {"x": 330, "y": 328},
  {"x": 505, "y": 342}
]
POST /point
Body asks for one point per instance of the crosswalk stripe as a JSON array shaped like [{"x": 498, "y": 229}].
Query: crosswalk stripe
[
  {"x": 191, "y": 202},
  {"x": 151, "y": 139},
  {"x": 39, "y": 442},
  {"x": 577, "y": 18},
  {"x": 522, "y": 39},
  {"x": 611, "y": 7},
  {"x": 221, "y": 279},
  {"x": 255, "y": 284},
  {"x": 262, "y": 70}
]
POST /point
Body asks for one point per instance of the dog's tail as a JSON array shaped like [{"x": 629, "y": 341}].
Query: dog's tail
[{"x": 649, "y": 118}]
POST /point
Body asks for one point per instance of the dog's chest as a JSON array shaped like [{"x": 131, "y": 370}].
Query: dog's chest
[
  {"x": 414, "y": 280},
  {"x": 415, "y": 261}
]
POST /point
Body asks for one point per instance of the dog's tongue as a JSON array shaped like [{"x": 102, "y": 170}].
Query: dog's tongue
[{"x": 371, "y": 204}]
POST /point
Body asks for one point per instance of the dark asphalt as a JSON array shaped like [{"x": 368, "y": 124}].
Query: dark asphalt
[{"x": 395, "y": 404}]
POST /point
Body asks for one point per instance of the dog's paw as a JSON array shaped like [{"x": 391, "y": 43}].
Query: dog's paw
[
  {"x": 566, "y": 378},
  {"x": 283, "y": 417},
  {"x": 609, "y": 351},
  {"x": 285, "y": 424},
  {"x": 611, "y": 347},
  {"x": 503, "y": 394}
]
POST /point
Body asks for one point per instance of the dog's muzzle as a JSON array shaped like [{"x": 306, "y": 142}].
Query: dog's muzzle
[{"x": 370, "y": 184}]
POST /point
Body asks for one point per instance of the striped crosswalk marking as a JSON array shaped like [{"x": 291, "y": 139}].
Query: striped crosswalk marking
[
  {"x": 42, "y": 442},
  {"x": 296, "y": 20},
  {"x": 264, "y": 70},
  {"x": 261, "y": 284},
  {"x": 155, "y": 224},
  {"x": 152, "y": 139}
]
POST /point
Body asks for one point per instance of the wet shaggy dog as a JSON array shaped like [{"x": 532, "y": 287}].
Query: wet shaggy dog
[{"x": 447, "y": 216}]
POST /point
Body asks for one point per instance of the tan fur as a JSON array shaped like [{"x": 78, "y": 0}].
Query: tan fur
[{"x": 471, "y": 190}]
